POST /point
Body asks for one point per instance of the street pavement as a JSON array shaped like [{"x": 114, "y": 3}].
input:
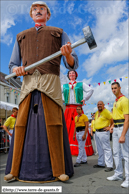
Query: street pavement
[{"x": 86, "y": 179}]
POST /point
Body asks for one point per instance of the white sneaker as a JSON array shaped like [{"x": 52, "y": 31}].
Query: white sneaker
[
  {"x": 115, "y": 178},
  {"x": 125, "y": 184},
  {"x": 96, "y": 153}
]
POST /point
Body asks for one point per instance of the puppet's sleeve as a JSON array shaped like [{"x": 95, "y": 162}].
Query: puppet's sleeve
[
  {"x": 88, "y": 91},
  {"x": 66, "y": 39},
  {"x": 15, "y": 60}
]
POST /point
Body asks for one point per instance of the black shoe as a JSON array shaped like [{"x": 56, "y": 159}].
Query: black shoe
[
  {"x": 77, "y": 164},
  {"x": 83, "y": 162},
  {"x": 98, "y": 166},
  {"x": 108, "y": 169}
]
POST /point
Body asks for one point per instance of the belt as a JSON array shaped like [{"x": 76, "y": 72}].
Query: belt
[
  {"x": 100, "y": 130},
  {"x": 119, "y": 121},
  {"x": 119, "y": 125},
  {"x": 80, "y": 129}
]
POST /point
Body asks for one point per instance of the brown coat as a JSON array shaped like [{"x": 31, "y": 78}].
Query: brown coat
[{"x": 34, "y": 47}]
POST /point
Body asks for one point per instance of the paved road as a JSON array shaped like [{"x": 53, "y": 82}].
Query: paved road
[{"x": 86, "y": 179}]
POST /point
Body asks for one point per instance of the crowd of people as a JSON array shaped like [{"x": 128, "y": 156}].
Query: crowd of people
[
  {"x": 41, "y": 122},
  {"x": 116, "y": 123}
]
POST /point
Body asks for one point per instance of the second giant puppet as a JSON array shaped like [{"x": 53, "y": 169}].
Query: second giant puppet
[{"x": 73, "y": 96}]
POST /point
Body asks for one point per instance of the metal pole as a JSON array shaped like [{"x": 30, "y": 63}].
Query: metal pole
[
  {"x": 49, "y": 58},
  {"x": 5, "y": 150}
]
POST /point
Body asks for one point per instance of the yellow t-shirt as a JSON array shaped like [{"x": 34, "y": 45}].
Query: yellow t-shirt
[
  {"x": 81, "y": 120},
  {"x": 102, "y": 120},
  {"x": 120, "y": 108},
  {"x": 92, "y": 125},
  {"x": 10, "y": 122}
]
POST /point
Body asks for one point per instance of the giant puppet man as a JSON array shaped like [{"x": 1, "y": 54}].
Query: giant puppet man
[
  {"x": 75, "y": 94},
  {"x": 41, "y": 149}
]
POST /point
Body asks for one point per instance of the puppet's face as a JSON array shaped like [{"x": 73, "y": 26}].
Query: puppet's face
[
  {"x": 40, "y": 14},
  {"x": 72, "y": 75}
]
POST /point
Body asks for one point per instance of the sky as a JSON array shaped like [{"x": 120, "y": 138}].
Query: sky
[{"x": 99, "y": 67}]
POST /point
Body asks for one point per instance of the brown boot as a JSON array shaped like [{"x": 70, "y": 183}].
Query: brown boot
[
  {"x": 63, "y": 177},
  {"x": 9, "y": 177}
]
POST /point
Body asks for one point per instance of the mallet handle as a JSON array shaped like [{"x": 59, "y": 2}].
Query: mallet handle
[{"x": 74, "y": 45}]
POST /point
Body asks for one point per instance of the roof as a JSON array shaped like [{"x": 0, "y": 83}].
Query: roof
[{"x": 12, "y": 81}]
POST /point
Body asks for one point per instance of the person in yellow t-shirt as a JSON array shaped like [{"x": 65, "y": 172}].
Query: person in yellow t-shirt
[
  {"x": 120, "y": 130},
  {"x": 10, "y": 122},
  {"x": 93, "y": 132},
  {"x": 103, "y": 119},
  {"x": 81, "y": 129}
]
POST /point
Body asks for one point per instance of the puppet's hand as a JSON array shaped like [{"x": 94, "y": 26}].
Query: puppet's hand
[
  {"x": 19, "y": 71},
  {"x": 66, "y": 49},
  {"x": 83, "y": 102}
]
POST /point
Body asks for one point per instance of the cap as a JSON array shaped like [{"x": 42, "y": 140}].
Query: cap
[{"x": 40, "y": 3}]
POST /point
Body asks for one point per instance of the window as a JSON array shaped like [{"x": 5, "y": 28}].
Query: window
[
  {"x": 15, "y": 99},
  {"x": 7, "y": 96}
]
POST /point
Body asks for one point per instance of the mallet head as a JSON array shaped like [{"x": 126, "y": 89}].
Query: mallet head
[{"x": 89, "y": 37}]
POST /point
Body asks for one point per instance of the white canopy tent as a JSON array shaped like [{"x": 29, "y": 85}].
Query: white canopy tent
[
  {"x": 7, "y": 106},
  {"x": 6, "y": 109}
]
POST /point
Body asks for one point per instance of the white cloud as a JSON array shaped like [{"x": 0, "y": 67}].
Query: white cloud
[
  {"x": 10, "y": 12},
  {"x": 71, "y": 8},
  {"x": 5, "y": 25},
  {"x": 74, "y": 38},
  {"x": 87, "y": 81},
  {"x": 7, "y": 39},
  {"x": 113, "y": 51},
  {"x": 63, "y": 69},
  {"x": 111, "y": 35},
  {"x": 63, "y": 79},
  {"x": 75, "y": 22},
  {"x": 118, "y": 71}
]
